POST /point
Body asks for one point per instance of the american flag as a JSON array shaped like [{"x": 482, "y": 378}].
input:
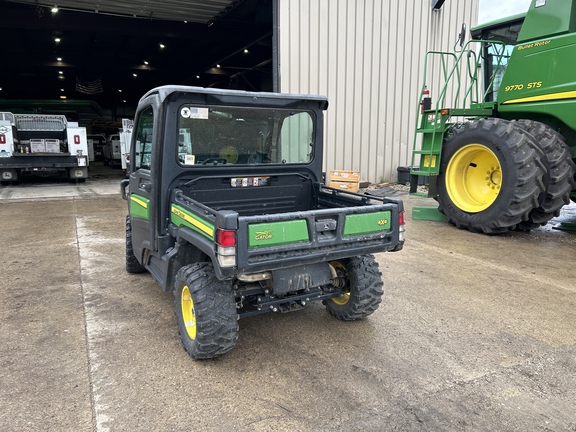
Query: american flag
[{"x": 89, "y": 87}]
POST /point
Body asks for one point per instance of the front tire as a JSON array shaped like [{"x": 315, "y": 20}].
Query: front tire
[
  {"x": 363, "y": 288},
  {"x": 205, "y": 312},
  {"x": 132, "y": 264},
  {"x": 490, "y": 176}
]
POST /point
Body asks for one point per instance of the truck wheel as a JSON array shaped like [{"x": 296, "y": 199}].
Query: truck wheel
[
  {"x": 205, "y": 311},
  {"x": 363, "y": 284},
  {"x": 556, "y": 157},
  {"x": 490, "y": 176},
  {"x": 132, "y": 264}
]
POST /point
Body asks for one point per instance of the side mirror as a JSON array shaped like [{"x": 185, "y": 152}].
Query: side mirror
[{"x": 462, "y": 35}]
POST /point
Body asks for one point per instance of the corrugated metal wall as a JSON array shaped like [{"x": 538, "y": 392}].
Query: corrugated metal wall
[{"x": 367, "y": 56}]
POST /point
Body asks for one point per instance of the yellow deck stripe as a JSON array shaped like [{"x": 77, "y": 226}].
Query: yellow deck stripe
[
  {"x": 203, "y": 227},
  {"x": 543, "y": 98},
  {"x": 139, "y": 201}
]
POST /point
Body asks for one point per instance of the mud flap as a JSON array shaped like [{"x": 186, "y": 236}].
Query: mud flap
[{"x": 300, "y": 278}]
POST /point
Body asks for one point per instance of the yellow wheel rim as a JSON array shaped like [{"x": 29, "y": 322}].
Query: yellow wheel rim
[
  {"x": 341, "y": 301},
  {"x": 188, "y": 313},
  {"x": 473, "y": 178}
]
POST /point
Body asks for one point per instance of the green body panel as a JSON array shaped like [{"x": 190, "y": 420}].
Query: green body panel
[
  {"x": 139, "y": 207},
  {"x": 366, "y": 223},
  {"x": 183, "y": 218},
  {"x": 277, "y": 233},
  {"x": 540, "y": 82},
  {"x": 553, "y": 18}
]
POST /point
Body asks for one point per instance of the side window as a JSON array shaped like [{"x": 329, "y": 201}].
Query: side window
[
  {"x": 144, "y": 131},
  {"x": 296, "y": 138}
]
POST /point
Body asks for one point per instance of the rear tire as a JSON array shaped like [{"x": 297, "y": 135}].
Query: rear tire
[
  {"x": 490, "y": 176},
  {"x": 132, "y": 264},
  {"x": 556, "y": 157},
  {"x": 205, "y": 311},
  {"x": 363, "y": 285}
]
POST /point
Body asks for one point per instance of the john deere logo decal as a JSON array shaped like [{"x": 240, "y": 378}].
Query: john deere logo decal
[
  {"x": 263, "y": 235},
  {"x": 382, "y": 222}
]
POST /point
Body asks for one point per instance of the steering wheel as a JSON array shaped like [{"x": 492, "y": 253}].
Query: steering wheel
[{"x": 214, "y": 161}]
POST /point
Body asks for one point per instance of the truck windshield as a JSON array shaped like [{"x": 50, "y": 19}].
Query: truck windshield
[
  {"x": 496, "y": 55},
  {"x": 244, "y": 136}
]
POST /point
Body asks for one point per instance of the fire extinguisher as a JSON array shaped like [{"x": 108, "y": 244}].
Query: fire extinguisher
[{"x": 426, "y": 102}]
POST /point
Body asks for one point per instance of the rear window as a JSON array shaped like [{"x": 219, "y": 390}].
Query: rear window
[{"x": 242, "y": 136}]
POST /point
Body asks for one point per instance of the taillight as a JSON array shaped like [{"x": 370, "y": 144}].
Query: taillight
[
  {"x": 226, "y": 247},
  {"x": 401, "y": 226},
  {"x": 225, "y": 237}
]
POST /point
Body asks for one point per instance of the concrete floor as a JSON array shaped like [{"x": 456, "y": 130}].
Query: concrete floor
[{"x": 474, "y": 333}]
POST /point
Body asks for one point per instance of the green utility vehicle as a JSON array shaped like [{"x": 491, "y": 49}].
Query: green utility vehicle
[
  {"x": 499, "y": 142},
  {"x": 227, "y": 208}
]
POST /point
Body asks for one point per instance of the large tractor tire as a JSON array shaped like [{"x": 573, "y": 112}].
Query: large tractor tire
[
  {"x": 490, "y": 176},
  {"x": 205, "y": 311},
  {"x": 556, "y": 157},
  {"x": 132, "y": 264},
  {"x": 362, "y": 282}
]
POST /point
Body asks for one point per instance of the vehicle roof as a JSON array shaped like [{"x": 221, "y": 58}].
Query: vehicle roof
[
  {"x": 475, "y": 32},
  {"x": 165, "y": 91}
]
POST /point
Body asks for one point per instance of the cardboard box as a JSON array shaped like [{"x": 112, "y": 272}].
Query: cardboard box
[
  {"x": 52, "y": 146},
  {"x": 347, "y": 176},
  {"x": 345, "y": 180},
  {"x": 347, "y": 186},
  {"x": 37, "y": 146}
]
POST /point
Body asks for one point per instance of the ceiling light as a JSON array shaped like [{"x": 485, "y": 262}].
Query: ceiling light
[
  {"x": 62, "y": 97},
  {"x": 60, "y": 73},
  {"x": 185, "y": 22},
  {"x": 54, "y": 9},
  {"x": 145, "y": 62},
  {"x": 198, "y": 76},
  {"x": 134, "y": 75},
  {"x": 59, "y": 59},
  {"x": 245, "y": 51},
  {"x": 218, "y": 65},
  {"x": 61, "y": 77},
  {"x": 61, "y": 89},
  {"x": 162, "y": 46},
  {"x": 56, "y": 39},
  {"x": 124, "y": 101},
  {"x": 119, "y": 90}
]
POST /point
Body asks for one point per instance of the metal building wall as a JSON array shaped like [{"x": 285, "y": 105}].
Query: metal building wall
[{"x": 367, "y": 57}]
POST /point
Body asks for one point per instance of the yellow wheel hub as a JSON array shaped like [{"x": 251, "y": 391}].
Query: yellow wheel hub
[
  {"x": 473, "y": 178},
  {"x": 188, "y": 313},
  {"x": 341, "y": 270},
  {"x": 342, "y": 300}
]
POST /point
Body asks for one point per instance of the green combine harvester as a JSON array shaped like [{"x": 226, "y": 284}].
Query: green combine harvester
[{"x": 499, "y": 142}]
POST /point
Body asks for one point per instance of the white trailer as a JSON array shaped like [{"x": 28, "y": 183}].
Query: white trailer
[
  {"x": 112, "y": 154},
  {"x": 125, "y": 139},
  {"x": 44, "y": 145}
]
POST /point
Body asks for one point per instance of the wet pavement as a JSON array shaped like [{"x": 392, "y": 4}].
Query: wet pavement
[{"x": 474, "y": 333}]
